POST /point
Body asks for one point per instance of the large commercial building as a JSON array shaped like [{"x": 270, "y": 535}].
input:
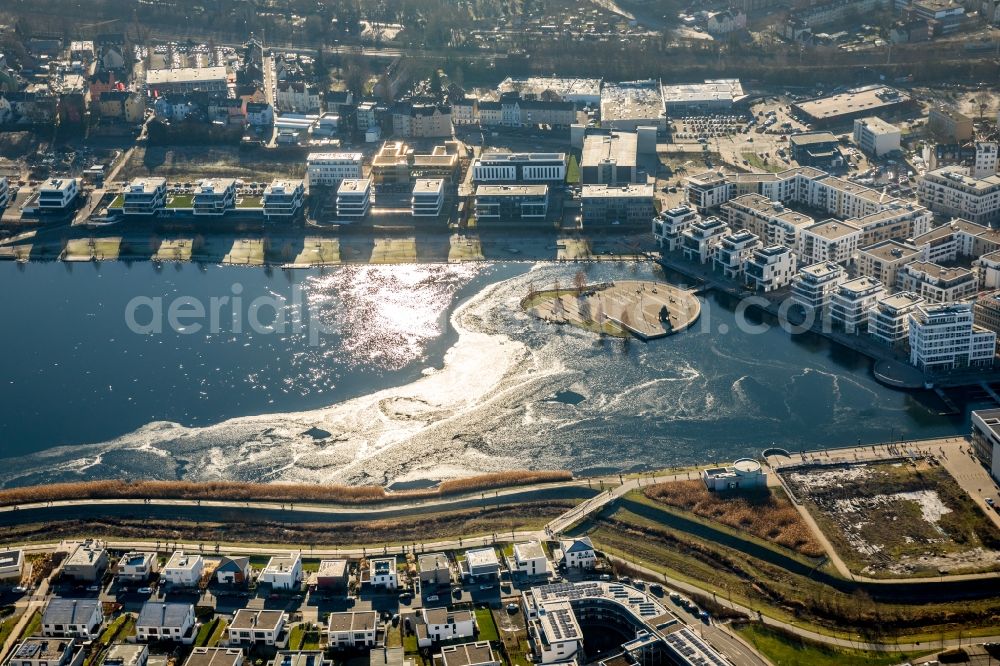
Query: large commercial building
[
  {"x": 712, "y": 96},
  {"x": 632, "y": 104},
  {"x": 875, "y": 136},
  {"x": 519, "y": 168},
  {"x": 398, "y": 164},
  {"x": 952, "y": 191},
  {"x": 858, "y": 103},
  {"x": 816, "y": 149},
  {"x": 943, "y": 337},
  {"x": 187, "y": 79},
  {"x": 986, "y": 439},
  {"x": 512, "y": 203},
  {"x": 609, "y": 159},
  {"x": 328, "y": 169},
  {"x": 624, "y": 204}
]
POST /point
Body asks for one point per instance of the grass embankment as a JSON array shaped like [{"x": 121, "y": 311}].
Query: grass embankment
[
  {"x": 781, "y": 593},
  {"x": 765, "y": 513},
  {"x": 7, "y": 626},
  {"x": 784, "y": 649},
  {"x": 425, "y": 528},
  {"x": 283, "y": 492},
  {"x": 875, "y": 521}
]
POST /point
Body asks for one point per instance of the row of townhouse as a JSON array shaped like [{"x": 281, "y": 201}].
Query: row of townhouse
[
  {"x": 739, "y": 255},
  {"x": 513, "y": 110}
]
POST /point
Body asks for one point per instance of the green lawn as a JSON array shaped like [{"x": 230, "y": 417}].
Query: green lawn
[
  {"x": 118, "y": 202},
  {"x": 120, "y": 627},
  {"x": 180, "y": 200},
  {"x": 34, "y": 625},
  {"x": 205, "y": 633},
  {"x": 7, "y": 626},
  {"x": 304, "y": 638},
  {"x": 248, "y": 202},
  {"x": 410, "y": 644},
  {"x": 573, "y": 170},
  {"x": 487, "y": 625},
  {"x": 786, "y": 650},
  {"x": 217, "y": 635}
]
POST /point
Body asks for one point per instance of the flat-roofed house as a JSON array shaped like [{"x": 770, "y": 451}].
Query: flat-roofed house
[
  {"x": 72, "y": 617},
  {"x": 11, "y": 566},
  {"x": 283, "y": 572},
  {"x": 125, "y": 654},
  {"x": 482, "y": 563},
  {"x": 445, "y": 625},
  {"x": 300, "y": 658},
  {"x": 136, "y": 566},
  {"x": 382, "y": 573},
  {"x": 332, "y": 575},
  {"x": 183, "y": 569},
  {"x": 87, "y": 563},
  {"x": 42, "y": 651},
  {"x": 434, "y": 570},
  {"x": 530, "y": 559},
  {"x": 469, "y": 654},
  {"x": 215, "y": 656}
]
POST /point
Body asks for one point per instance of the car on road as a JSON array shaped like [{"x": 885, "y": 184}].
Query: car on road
[
  {"x": 94, "y": 588},
  {"x": 145, "y": 590},
  {"x": 432, "y": 597},
  {"x": 989, "y": 501},
  {"x": 20, "y": 589}
]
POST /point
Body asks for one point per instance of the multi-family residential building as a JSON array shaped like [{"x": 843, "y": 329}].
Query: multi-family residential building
[
  {"x": 618, "y": 204},
  {"x": 519, "y": 168},
  {"x": 530, "y": 559},
  {"x": 297, "y": 97},
  {"x": 328, "y": 169},
  {"x": 215, "y": 656},
  {"x": 57, "y": 194},
  {"x": 166, "y": 621},
  {"x": 700, "y": 240},
  {"x": 136, "y": 566},
  {"x": 937, "y": 284},
  {"x": 952, "y": 191},
  {"x": 87, "y": 562},
  {"x": 829, "y": 240},
  {"x": 465, "y": 110},
  {"x": 986, "y": 311},
  {"x": 214, "y": 196},
  {"x": 770, "y": 268},
  {"x": 512, "y": 203},
  {"x": 332, "y": 575},
  {"x": 144, "y": 196},
  {"x": 434, "y": 571},
  {"x": 943, "y": 337},
  {"x": 814, "y": 285},
  {"x": 441, "y": 624},
  {"x": 955, "y": 240},
  {"x": 257, "y": 627},
  {"x": 72, "y": 617},
  {"x": 670, "y": 225},
  {"x": 578, "y": 553},
  {"x": 850, "y": 304},
  {"x": 41, "y": 651},
  {"x": 260, "y": 114},
  {"x": 557, "y": 633},
  {"x": 889, "y": 318},
  {"x": 882, "y": 261},
  {"x": 383, "y": 573},
  {"x": 183, "y": 569},
  {"x": 875, "y": 136},
  {"x": 733, "y": 252},
  {"x": 354, "y": 197},
  {"x": 427, "y": 198},
  {"x": 988, "y": 267},
  {"x": 352, "y": 629},
  {"x": 482, "y": 563},
  {"x": 283, "y": 199},
  {"x": 949, "y": 124},
  {"x": 986, "y": 159},
  {"x": 283, "y": 572}
]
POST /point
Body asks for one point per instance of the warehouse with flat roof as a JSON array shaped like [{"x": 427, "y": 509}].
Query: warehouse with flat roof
[{"x": 857, "y": 103}]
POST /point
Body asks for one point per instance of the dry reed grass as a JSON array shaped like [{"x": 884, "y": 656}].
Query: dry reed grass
[{"x": 762, "y": 513}]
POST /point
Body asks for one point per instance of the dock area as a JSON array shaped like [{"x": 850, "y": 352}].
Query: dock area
[{"x": 643, "y": 309}]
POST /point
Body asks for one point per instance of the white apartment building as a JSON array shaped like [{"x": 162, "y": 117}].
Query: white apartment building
[
  {"x": 166, "y": 621},
  {"x": 354, "y": 197},
  {"x": 943, "y": 337},
  {"x": 814, "y": 285},
  {"x": 72, "y": 617},
  {"x": 700, "y": 241},
  {"x": 557, "y": 633},
  {"x": 58, "y": 193},
  {"x": 135, "y": 566},
  {"x": 670, "y": 225},
  {"x": 849, "y": 306},
  {"x": 734, "y": 251},
  {"x": 875, "y": 136},
  {"x": 183, "y": 569},
  {"x": 519, "y": 168},
  {"x": 328, "y": 169},
  {"x": 882, "y": 261},
  {"x": 283, "y": 572},
  {"x": 144, "y": 196},
  {"x": 957, "y": 239},
  {"x": 770, "y": 268},
  {"x": 383, "y": 573},
  {"x": 214, "y": 196},
  {"x": 937, "y": 284},
  {"x": 952, "y": 191},
  {"x": 989, "y": 270},
  {"x": 427, "y": 198},
  {"x": 889, "y": 318},
  {"x": 283, "y": 199},
  {"x": 257, "y": 627},
  {"x": 444, "y": 625},
  {"x": 530, "y": 559},
  {"x": 829, "y": 240},
  {"x": 986, "y": 159},
  {"x": 352, "y": 629}
]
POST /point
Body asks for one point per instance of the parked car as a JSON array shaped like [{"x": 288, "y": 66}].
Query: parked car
[{"x": 145, "y": 590}]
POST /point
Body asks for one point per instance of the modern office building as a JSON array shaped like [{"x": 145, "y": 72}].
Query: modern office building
[
  {"x": 512, "y": 203},
  {"x": 618, "y": 204},
  {"x": 943, "y": 337},
  {"x": 986, "y": 439},
  {"x": 328, "y": 169},
  {"x": 876, "y": 137},
  {"x": 427, "y": 198},
  {"x": 519, "y": 168},
  {"x": 609, "y": 158}
]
